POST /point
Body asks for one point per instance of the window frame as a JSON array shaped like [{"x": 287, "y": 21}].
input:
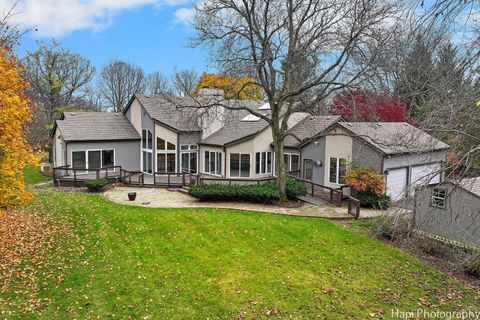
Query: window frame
[
  {"x": 240, "y": 164},
  {"x": 262, "y": 165},
  {"x": 289, "y": 163},
  {"x": 166, "y": 152},
  {"x": 86, "y": 152},
  {"x": 434, "y": 197},
  {"x": 338, "y": 179},
  {"x": 218, "y": 160}
]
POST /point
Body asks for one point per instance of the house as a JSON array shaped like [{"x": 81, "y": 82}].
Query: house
[
  {"x": 160, "y": 134},
  {"x": 450, "y": 209}
]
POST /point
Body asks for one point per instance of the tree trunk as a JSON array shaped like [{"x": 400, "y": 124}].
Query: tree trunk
[{"x": 280, "y": 164}]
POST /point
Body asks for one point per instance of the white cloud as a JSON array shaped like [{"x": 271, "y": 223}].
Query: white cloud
[
  {"x": 184, "y": 15},
  {"x": 60, "y": 17}
]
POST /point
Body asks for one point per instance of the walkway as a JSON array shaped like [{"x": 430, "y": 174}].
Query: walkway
[{"x": 163, "y": 198}]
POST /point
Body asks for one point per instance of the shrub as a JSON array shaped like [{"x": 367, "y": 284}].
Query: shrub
[
  {"x": 295, "y": 189},
  {"x": 263, "y": 193},
  {"x": 388, "y": 227},
  {"x": 371, "y": 200},
  {"x": 472, "y": 265},
  {"x": 96, "y": 185},
  {"x": 365, "y": 179}
]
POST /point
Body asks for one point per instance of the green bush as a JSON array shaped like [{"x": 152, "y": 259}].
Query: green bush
[
  {"x": 369, "y": 199},
  {"x": 263, "y": 193},
  {"x": 96, "y": 185},
  {"x": 388, "y": 227}
]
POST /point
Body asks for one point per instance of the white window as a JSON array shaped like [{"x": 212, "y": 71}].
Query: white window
[
  {"x": 147, "y": 153},
  {"x": 213, "y": 163},
  {"x": 240, "y": 165},
  {"x": 166, "y": 156},
  {"x": 291, "y": 161},
  {"x": 438, "y": 198},
  {"x": 338, "y": 169},
  {"x": 189, "y": 157},
  {"x": 263, "y": 162},
  {"x": 93, "y": 159}
]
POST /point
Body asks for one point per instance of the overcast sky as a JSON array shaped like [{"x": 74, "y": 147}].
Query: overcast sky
[{"x": 151, "y": 33}]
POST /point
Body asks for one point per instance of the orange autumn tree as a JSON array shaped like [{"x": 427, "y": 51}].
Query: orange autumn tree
[
  {"x": 15, "y": 114},
  {"x": 230, "y": 86},
  {"x": 365, "y": 179}
]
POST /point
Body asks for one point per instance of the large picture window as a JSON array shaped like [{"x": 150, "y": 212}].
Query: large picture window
[
  {"x": 240, "y": 165},
  {"x": 213, "y": 163},
  {"x": 338, "y": 169},
  {"x": 166, "y": 156},
  {"x": 263, "y": 162},
  {"x": 147, "y": 151},
  {"x": 93, "y": 159}
]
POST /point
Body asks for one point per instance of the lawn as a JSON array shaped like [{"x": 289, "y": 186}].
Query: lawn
[
  {"x": 125, "y": 261},
  {"x": 34, "y": 175}
]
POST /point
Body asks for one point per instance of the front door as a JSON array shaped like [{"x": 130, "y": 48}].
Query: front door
[{"x": 308, "y": 169}]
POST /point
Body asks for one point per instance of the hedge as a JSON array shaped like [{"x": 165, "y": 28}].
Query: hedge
[
  {"x": 96, "y": 185},
  {"x": 263, "y": 193}
]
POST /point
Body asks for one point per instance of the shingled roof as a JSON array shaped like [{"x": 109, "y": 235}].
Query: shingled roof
[
  {"x": 471, "y": 184},
  {"x": 178, "y": 113},
  {"x": 236, "y": 130},
  {"x": 95, "y": 126},
  {"x": 307, "y": 129},
  {"x": 395, "y": 137}
]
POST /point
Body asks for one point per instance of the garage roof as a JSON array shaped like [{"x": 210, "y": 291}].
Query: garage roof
[{"x": 395, "y": 137}]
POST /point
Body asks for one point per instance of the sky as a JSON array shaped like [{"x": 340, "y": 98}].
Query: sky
[{"x": 151, "y": 33}]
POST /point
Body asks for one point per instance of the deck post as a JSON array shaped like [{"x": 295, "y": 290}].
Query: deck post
[
  {"x": 168, "y": 178},
  {"x": 154, "y": 179},
  {"x": 183, "y": 178},
  {"x": 75, "y": 177},
  {"x": 313, "y": 189},
  {"x": 331, "y": 195},
  {"x": 98, "y": 173},
  {"x": 54, "y": 173},
  {"x": 106, "y": 174}
]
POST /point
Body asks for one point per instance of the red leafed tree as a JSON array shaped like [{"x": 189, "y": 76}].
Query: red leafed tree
[{"x": 368, "y": 106}]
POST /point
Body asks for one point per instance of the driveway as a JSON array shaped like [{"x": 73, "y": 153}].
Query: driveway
[{"x": 163, "y": 198}]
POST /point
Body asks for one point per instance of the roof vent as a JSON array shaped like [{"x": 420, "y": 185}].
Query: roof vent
[
  {"x": 251, "y": 118},
  {"x": 328, "y": 117},
  {"x": 146, "y": 96},
  {"x": 116, "y": 114},
  {"x": 405, "y": 124},
  {"x": 349, "y": 124},
  {"x": 379, "y": 124},
  {"x": 72, "y": 113},
  {"x": 266, "y": 106}
]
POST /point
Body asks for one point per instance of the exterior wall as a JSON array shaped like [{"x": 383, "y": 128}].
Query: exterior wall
[
  {"x": 212, "y": 120},
  {"x": 413, "y": 159},
  {"x": 363, "y": 154},
  {"x": 459, "y": 220},
  {"x": 201, "y": 158},
  {"x": 58, "y": 149},
  {"x": 296, "y": 118},
  {"x": 126, "y": 152},
  {"x": 315, "y": 151},
  {"x": 338, "y": 144},
  {"x": 134, "y": 114}
]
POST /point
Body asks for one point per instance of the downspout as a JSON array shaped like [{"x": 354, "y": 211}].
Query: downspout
[{"x": 225, "y": 161}]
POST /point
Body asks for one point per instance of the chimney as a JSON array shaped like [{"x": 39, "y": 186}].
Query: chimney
[{"x": 211, "y": 93}]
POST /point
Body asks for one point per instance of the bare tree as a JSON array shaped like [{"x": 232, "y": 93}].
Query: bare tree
[
  {"x": 184, "y": 81},
  {"x": 155, "y": 83},
  {"x": 273, "y": 39},
  {"x": 10, "y": 33},
  {"x": 118, "y": 81}
]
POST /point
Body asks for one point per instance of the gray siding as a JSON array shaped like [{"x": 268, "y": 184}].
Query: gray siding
[
  {"x": 364, "y": 155},
  {"x": 406, "y": 160},
  {"x": 459, "y": 220},
  {"x": 127, "y": 153},
  {"x": 315, "y": 153}
]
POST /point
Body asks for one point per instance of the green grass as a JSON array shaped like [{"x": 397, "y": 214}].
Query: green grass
[
  {"x": 33, "y": 176},
  {"x": 210, "y": 263}
]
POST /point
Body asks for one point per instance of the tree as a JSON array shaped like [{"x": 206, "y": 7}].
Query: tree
[
  {"x": 233, "y": 87},
  {"x": 184, "y": 81},
  {"x": 155, "y": 83},
  {"x": 15, "y": 113},
  {"x": 57, "y": 76},
  {"x": 368, "y": 106},
  {"x": 118, "y": 82},
  {"x": 268, "y": 39}
]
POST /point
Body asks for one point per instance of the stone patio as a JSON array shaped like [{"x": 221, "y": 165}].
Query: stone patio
[{"x": 164, "y": 198}]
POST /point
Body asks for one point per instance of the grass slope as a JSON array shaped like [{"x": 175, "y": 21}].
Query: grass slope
[
  {"x": 207, "y": 263},
  {"x": 33, "y": 176}
]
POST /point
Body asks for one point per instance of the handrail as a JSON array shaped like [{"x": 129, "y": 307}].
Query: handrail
[
  {"x": 333, "y": 191},
  {"x": 354, "y": 203}
]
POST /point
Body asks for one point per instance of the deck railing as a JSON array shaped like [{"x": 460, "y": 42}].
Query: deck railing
[
  {"x": 220, "y": 180},
  {"x": 184, "y": 178},
  {"x": 330, "y": 194},
  {"x": 79, "y": 174}
]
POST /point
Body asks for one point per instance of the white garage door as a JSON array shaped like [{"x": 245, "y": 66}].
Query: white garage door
[
  {"x": 425, "y": 174},
  {"x": 396, "y": 183}
]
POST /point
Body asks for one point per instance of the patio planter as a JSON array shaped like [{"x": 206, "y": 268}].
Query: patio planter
[{"x": 132, "y": 196}]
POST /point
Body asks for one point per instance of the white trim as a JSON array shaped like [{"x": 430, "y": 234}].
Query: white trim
[
  {"x": 337, "y": 171},
  {"x": 239, "y": 165},
  {"x": 189, "y": 152},
  {"x": 86, "y": 158},
  {"x": 289, "y": 154},
  {"x": 262, "y": 164},
  {"x": 205, "y": 163}
]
